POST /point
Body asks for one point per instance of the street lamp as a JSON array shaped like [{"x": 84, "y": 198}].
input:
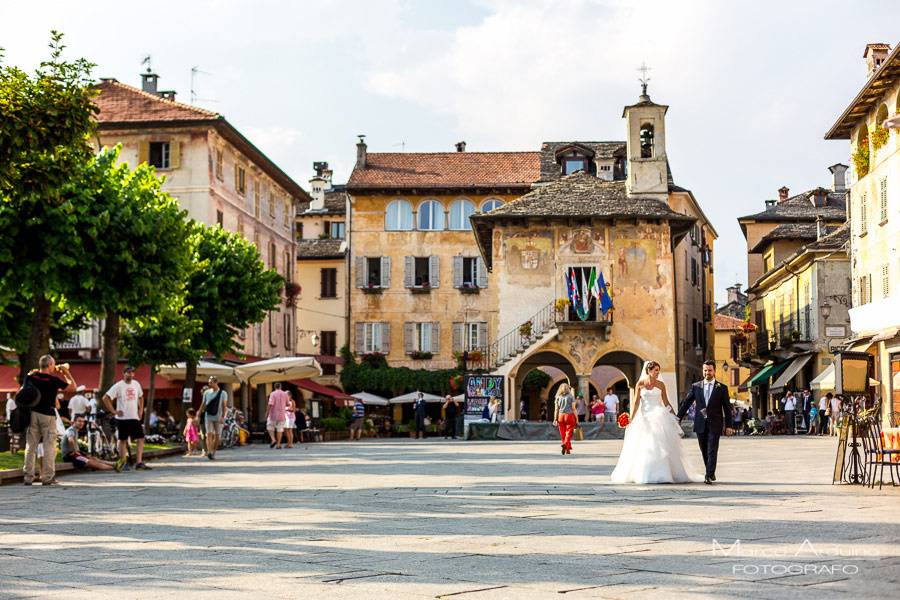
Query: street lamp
[
  {"x": 825, "y": 309},
  {"x": 698, "y": 350},
  {"x": 725, "y": 366}
]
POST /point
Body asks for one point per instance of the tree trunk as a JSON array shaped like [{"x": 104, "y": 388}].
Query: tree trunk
[
  {"x": 110, "y": 352},
  {"x": 39, "y": 339},
  {"x": 148, "y": 404},
  {"x": 190, "y": 377}
]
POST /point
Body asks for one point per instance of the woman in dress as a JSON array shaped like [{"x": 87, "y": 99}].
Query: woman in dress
[
  {"x": 651, "y": 452},
  {"x": 564, "y": 416}
]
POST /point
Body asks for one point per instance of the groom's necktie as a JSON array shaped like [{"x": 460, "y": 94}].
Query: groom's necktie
[{"x": 707, "y": 388}]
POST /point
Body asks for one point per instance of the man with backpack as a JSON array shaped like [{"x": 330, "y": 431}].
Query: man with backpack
[
  {"x": 129, "y": 410},
  {"x": 212, "y": 408},
  {"x": 37, "y": 398}
]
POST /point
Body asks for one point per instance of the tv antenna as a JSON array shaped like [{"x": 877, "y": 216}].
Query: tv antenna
[
  {"x": 146, "y": 61},
  {"x": 195, "y": 70},
  {"x": 402, "y": 146}
]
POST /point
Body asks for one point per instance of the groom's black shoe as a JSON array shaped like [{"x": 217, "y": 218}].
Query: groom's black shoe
[
  {"x": 713, "y": 477},
  {"x": 708, "y": 481}
]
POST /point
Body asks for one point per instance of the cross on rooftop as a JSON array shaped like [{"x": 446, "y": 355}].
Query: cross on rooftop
[{"x": 643, "y": 78}]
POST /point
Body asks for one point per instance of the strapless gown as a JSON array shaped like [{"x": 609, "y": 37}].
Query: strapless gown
[{"x": 652, "y": 450}]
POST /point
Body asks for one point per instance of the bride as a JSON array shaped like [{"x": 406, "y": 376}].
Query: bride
[{"x": 652, "y": 452}]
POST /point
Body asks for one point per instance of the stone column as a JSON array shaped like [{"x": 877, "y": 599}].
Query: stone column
[
  {"x": 584, "y": 387},
  {"x": 511, "y": 408}
]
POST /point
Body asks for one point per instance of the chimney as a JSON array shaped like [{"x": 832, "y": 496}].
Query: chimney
[
  {"x": 783, "y": 193},
  {"x": 875, "y": 54},
  {"x": 839, "y": 174},
  {"x": 821, "y": 231},
  {"x": 361, "y": 152},
  {"x": 317, "y": 193},
  {"x": 148, "y": 82},
  {"x": 167, "y": 95},
  {"x": 733, "y": 293},
  {"x": 770, "y": 203},
  {"x": 460, "y": 146}
]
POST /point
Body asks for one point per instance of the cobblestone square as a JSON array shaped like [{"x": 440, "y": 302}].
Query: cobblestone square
[{"x": 436, "y": 519}]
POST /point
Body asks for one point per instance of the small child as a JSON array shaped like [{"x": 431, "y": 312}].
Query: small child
[{"x": 191, "y": 433}]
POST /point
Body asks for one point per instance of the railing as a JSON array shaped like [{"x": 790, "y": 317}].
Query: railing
[
  {"x": 516, "y": 340},
  {"x": 86, "y": 339}
]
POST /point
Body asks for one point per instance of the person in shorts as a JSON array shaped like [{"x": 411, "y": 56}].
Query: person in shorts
[
  {"x": 276, "y": 415},
  {"x": 71, "y": 453},
  {"x": 125, "y": 399},
  {"x": 215, "y": 401},
  {"x": 359, "y": 417}
]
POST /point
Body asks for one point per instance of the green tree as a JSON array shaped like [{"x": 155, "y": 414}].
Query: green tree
[
  {"x": 163, "y": 337},
  {"x": 45, "y": 122},
  {"x": 229, "y": 290},
  {"x": 134, "y": 244}
]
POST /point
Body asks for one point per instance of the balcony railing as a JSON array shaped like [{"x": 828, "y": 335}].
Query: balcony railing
[{"x": 86, "y": 339}]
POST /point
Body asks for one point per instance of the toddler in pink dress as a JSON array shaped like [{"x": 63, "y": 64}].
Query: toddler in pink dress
[{"x": 191, "y": 433}]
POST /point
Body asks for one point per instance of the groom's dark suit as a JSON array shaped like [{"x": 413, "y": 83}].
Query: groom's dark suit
[{"x": 709, "y": 427}]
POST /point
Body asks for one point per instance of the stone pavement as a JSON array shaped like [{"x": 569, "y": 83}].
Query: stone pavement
[{"x": 403, "y": 519}]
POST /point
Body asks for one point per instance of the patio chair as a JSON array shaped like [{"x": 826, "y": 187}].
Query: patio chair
[{"x": 877, "y": 457}]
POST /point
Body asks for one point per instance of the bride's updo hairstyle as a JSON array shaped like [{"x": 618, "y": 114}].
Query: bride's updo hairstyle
[{"x": 645, "y": 373}]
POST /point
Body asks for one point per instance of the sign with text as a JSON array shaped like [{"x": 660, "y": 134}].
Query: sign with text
[
  {"x": 480, "y": 390},
  {"x": 835, "y": 331},
  {"x": 187, "y": 395}
]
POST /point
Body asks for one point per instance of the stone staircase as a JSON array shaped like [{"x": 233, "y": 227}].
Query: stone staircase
[{"x": 503, "y": 353}]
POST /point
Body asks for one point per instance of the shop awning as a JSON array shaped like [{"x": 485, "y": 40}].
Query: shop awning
[
  {"x": 88, "y": 375},
  {"x": 205, "y": 368},
  {"x": 825, "y": 380},
  {"x": 283, "y": 368},
  {"x": 322, "y": 390},
  {"x": 411, "y": 397},
  {"x": 888, "y": 334},
  {"x": 767, "y": 373},
  {"x": 790, "y": 372}
]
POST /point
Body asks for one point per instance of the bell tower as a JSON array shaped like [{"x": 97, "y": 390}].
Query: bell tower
[{"x": 645, "y": 125}]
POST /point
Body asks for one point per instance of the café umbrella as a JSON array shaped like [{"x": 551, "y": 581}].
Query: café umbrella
[
  {"x": 283, "y": 368},
  {"x": 205, "y": 368}
]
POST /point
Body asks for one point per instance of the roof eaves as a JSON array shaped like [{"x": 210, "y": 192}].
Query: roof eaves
[{"x": 841, "y": 129}]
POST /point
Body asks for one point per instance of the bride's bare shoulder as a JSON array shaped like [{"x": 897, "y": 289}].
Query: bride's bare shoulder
[{"x": 659, "y": 385}]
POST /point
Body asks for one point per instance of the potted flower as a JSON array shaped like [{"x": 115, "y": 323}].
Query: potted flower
[
  {"x": 861, "y": 158},
  {"x": 795, "y": 335},
  {"x": 562, "y": 307},
  {"x": 525, "y": 331},
  {"x": 476, "y": 356},
  {"x": 291, "y": 291},
  {"x": 420, "y": 355},
  {"x": 880, "y": 136}
]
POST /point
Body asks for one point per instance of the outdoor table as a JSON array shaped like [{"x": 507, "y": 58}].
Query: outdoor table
[{"x": 890, "y": 437}]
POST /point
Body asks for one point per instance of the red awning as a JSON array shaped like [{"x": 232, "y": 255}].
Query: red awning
[
  {"x": 321, "y": 390},
  {"x": 88, "y": 375}
]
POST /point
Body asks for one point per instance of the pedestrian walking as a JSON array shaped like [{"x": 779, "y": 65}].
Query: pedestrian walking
[
  {"x": 290, "y": 422},
  {"x": 523, "y": 409},
  {"x": 494, "y": 410},
  {"x": 806, "y": 402},
  {"x": 48, "y": 380},
  {"x": 564, "y": 416},
  {"x": 790, "y": 409},
  {"x": 419, "y": 411},
  {"x": 581, "y": 408},
  {"x": 835, "y": 416},
  {"x": 191, "y": 432},
  {"x": 611, "y": 400},
  {"x": 813, "y": 419},
  {"x": 359, "y": 417},
  {"x": 598, "y": 409},
  {"x": 451, "y": 408},
  {"x": 125, "y": 399},
  {"x": 14, "y": 441},
  {"x": 213, "y": 407},
  {"x": 276, "y": 416}
]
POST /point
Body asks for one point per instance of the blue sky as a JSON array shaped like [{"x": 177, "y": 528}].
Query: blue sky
[{"x": 752, "y": 85}]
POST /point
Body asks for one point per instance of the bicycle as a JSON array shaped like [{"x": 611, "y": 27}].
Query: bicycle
[
  {"x": 100, "y": 444},
  {"x": 230, "y": 429}
]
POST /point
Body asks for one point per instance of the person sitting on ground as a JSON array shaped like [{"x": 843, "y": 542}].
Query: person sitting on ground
[{"x": 71, "y": 453}]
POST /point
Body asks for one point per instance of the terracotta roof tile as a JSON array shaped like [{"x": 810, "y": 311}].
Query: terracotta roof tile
[
  {"x": 438, "y": 170},
  {"x": 121, "y": 103},
  {"x": 727, "y": 322}
]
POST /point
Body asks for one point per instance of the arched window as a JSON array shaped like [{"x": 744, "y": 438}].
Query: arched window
[
  {"x": 398, "y": 216},
  {"x": 460, "y": 211},
  {"x": 647, "y": 140},
  {"x": 431, "y": 216},
  {"x": 490, "y": 204}
]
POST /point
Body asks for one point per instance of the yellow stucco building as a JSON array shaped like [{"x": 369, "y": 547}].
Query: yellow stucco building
[
  {"x": 727, "y": 352},
  {"x": 872, "y": 124}
]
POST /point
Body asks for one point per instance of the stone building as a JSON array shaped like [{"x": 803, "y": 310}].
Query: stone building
[
  {"x": 727, "y": 352},
  {"x": 872, "y": 124},
  {"x": 736, "y": 306},
  {"x": 321, "y": 274},
  {"x": 217, "y": 175}
]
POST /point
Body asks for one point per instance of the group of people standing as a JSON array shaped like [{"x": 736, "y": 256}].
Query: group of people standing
[{"x": 816, "y": 417}]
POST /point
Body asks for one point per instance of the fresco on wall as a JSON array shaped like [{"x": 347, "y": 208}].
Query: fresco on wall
[
  {"x": 582, "y": 241},
  {"x": 530, "y": 253}
]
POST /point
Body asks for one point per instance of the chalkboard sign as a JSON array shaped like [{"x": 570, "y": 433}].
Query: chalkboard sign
[{"x": 843, "y": 430}]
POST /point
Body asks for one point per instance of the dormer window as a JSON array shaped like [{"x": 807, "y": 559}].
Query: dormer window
[
  {"x": 571, "y": 165},
  {"x": 647, "y": 140},
  {"x": 575, "y": 158}
]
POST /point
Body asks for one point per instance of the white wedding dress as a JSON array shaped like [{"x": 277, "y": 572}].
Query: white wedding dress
[{"x": 652, "y": 452}]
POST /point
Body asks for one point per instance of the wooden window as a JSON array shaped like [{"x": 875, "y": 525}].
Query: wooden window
[
  {"x": 373, "y": 337},
  {"x": 460, "y": 211},
  {"x": 431, "y": 216},
  {"x": 398, "y": 216},
  {"x": 328, "y": 342},
  {"x": 287, "y": 331},
  {"x": 272, "y": 200},
  {"x": 256, "y": 197},
  {"x": 220, "y": 218},
  {"x": 272, "y": 255},
  {"x": 328, "y": 280},
  {"x": 421, "y": 272},
  {"x": 885, "y": 280},
  {"x": 694, "y": 272},
  {"x": 300, "y": 230},
  {"x": 336, "y": 230},
  {"x": 272, "y": 338},
  {"x": 863, "y": 215},
  {"x": 287, "y": 213},
  {"x": 240, "y": 180},
  {"x": 159, "y": 155},
  {"x": 421, "y": 337},
  {"x": 882, "y": 200},
  {"x": 240, "y": 227},
  {"x": 220, "y": 164},
  {"x": 373, "y": 272}
]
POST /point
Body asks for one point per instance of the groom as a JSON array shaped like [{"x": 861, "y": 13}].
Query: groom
[{"x": 712, "y": 416}]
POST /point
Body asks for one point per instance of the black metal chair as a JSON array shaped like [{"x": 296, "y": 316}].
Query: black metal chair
[{"x": 877, "y": 457}]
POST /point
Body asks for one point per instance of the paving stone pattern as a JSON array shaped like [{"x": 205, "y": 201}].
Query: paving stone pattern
[{"x": 405, "y": 519}]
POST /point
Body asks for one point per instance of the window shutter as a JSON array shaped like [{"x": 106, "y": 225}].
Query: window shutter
[
  {"x": 174, "y": 155},
  {"x": 434, "y": 271},
  {"x": 409, "y": 271},
  {"x": 385, "y": 337},
  {"x": 482, "y": 273},
  {"x": 482, "y": 335},
  {"x": 409, "y": 332},
  {"x": 143, "y": 152},
  {"x": 385, "y": 271},
  {"x": 361, "y": 271},
  {"x": 236, "y": 182},
  {"x": 435, "y": 337},
  {"x": 457, "y": 337},
  {"x": 360, "y": 338},
  {"x": 323, "y": 283},
  {"x": 457, "y": 271}
]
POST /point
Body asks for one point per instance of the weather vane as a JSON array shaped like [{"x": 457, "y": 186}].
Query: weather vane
[{"x": 643, "y": 78}]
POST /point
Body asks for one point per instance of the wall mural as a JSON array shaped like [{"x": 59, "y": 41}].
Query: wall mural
[{"x": 530, "y": 253}]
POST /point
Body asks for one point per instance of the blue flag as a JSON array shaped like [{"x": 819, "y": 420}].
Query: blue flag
[{"x": 606, "y": 302}]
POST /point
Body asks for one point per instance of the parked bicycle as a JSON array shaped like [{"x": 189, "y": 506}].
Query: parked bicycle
[
  {"x": 101, "y": 443},
  {"x": 231, "y": 431}
]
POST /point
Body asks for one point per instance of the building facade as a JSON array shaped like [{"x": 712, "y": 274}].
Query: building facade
[
  {"x": 727, "y": 352},
  {"x": 322, "y": 277},
  {"x": 218, "y": 176},
  {"x": 872, "y": 125}
]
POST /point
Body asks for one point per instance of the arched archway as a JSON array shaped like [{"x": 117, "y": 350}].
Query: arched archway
[
  {"x": 623, "y": 369},
  {"x": 556, "y": 366}
]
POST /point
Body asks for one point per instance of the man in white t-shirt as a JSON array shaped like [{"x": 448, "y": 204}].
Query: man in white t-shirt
[
  {"x": 611, "y": 401},
  {"x": 78, "y": 404},
  {"x": 129, "y": 410}
]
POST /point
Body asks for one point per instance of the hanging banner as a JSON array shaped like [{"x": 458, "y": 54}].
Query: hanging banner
[{"x": 480, "y": 390}]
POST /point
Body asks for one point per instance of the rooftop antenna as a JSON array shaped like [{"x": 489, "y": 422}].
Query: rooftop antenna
[
  {"x": 644, "y": 79},
  {"x": 146, "y": 61},
  {"x": 402, "y": 146},
  {"x": 195, "y": 70}
]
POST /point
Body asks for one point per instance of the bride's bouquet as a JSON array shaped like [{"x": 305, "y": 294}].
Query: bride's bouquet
[{"x": 623, "y": 420}]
